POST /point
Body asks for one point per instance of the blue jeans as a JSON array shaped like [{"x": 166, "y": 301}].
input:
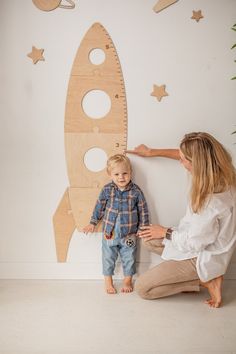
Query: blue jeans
[{"x": 126, "y": 247}]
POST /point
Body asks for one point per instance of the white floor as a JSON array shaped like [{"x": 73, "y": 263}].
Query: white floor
[{"x": 65, "y": 317}]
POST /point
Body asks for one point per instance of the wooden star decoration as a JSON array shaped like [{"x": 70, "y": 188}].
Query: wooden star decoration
[
  {"x": 36, "y": 55},
  {"x": 159, "y": 92},
  {"x": 197, "y": 15}
]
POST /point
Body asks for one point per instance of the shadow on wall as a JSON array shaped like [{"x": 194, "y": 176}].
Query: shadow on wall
[{"x": 140, "y": 178}]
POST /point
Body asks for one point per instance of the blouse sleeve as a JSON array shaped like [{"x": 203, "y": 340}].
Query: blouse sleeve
[{"x": 201, "y": 231}]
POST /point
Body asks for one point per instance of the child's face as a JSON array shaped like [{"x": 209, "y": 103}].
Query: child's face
[{"x": 120, "y": 174}]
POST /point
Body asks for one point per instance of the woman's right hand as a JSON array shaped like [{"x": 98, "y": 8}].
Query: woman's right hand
[{"x": 141, "y": 150}]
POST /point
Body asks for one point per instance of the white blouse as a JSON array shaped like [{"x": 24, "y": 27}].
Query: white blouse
[{"x": 210, "y": 236}]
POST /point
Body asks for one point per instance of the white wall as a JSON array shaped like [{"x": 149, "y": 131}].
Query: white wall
[{"x": 193, "y": 59}]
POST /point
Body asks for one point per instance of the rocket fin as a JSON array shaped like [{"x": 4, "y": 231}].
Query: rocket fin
[{"x": 64, "y": 226}]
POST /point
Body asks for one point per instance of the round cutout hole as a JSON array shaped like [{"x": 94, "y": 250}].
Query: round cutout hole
[
  {"x": 96, "y": 104},
  {"x": 95, "y": 159},
  {"x": 97, "y": 56}
]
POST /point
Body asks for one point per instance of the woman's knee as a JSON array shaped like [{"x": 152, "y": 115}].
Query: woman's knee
[
  {"x": 149, "y": 284},
  {"x": 140, "y": 288}
]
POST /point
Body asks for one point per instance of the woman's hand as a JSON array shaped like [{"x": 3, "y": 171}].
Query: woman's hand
[
  {"x": 141, "y": 150},
  {"x": 152, "y": 232}
]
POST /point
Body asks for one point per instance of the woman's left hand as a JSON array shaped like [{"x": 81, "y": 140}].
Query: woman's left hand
[{"x": 152, "y": 231}]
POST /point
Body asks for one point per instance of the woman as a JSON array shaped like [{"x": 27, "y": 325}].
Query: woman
[{"x": 198, "y": 251}]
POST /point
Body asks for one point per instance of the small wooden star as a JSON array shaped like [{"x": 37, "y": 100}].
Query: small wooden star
[
  {"x": 197, "y": 15},
  {"x": 159, "y": 92},
  {"x": 36, "y": 54}
]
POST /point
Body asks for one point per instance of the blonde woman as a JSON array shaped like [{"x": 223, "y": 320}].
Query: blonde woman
[{"x": 197, "y": 251}]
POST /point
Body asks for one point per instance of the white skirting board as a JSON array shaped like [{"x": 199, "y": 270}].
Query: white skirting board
[{"x": 69, "y": 270}]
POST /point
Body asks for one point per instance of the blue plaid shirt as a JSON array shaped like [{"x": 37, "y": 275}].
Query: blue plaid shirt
[{"x": 130, "y": 204}]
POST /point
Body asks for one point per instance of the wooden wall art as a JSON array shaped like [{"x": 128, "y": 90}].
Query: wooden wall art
[
  {"x": 82, "y": 133},
  {"x": 159, "y": 92},
  {"x": 197, "y": 15},
  {"x": 36, "y": 55},
  {"x": 162, "y": 4},
  {"x": 49, "y": 5}
]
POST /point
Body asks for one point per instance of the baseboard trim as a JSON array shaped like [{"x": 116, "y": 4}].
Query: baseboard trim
[{"x": 69, "y": 270}]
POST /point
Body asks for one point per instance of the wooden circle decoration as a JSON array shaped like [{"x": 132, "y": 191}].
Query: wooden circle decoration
[{"x": 49, "y": 5}]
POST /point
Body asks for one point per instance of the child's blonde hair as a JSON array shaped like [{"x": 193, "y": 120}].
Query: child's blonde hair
[
  {"x": 117, "y": 159},
  {"x": 212, "y": 167}
]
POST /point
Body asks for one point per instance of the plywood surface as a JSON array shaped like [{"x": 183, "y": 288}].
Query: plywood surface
[{"x": 83, "y": 133}]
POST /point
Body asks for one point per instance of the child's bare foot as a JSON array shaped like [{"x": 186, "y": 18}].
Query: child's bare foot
[
  {"x": 214, "y": 287},
  {"x": 127, "y": 285},
  {"x": 110, "y": 289}
]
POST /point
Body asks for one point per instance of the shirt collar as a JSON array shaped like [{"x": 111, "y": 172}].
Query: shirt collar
[{"x": 127, "y": 188}]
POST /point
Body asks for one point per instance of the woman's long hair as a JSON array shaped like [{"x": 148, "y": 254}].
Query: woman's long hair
[{"x": 212, "y": 167}]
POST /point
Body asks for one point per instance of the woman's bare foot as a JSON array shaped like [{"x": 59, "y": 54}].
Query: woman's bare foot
[
  {"x": 110, "y": 289},
  {"x": 214, "y": 287},
  {"x": 127, "y": 285}
]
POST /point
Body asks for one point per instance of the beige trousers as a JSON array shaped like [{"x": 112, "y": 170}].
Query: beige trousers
[{"x": 167, "y": 278}]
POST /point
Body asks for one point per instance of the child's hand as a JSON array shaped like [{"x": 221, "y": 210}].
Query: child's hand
[{"x": 89, "y": 228}]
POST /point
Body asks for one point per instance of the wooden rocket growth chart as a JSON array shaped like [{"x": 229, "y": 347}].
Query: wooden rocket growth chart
[{"x": 82, "y": 132}]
